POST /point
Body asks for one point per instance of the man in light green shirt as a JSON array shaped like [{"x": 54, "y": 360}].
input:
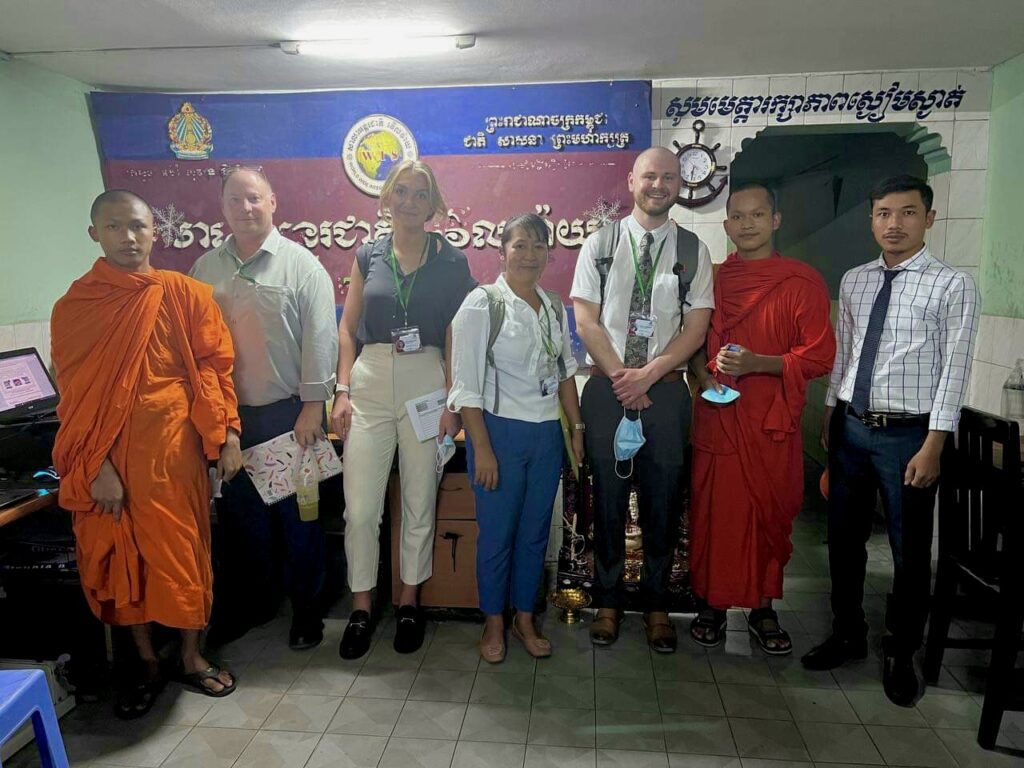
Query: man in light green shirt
[{"x": 278, "y": 301}]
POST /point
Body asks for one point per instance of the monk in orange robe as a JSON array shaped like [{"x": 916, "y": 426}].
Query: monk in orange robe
[
  {"x": 770, "y": 335},
  {"x": 143, "y": 362}
]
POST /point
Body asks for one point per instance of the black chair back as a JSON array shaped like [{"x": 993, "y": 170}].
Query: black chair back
[{"x": 981, "y": 512}]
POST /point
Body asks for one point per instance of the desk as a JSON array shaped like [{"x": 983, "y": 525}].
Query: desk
[{"x": 44, "y": 498}]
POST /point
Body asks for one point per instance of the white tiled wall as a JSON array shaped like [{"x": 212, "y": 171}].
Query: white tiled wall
[
  {"x": 1000, "y": 344},
  {"x": 27, "y": 335},
  {"x": 959, "y": 193}
]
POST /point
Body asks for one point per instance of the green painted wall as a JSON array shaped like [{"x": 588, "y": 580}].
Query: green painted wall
[
  {"x": 49, "y": 175},
  {"x": 1002, "y": 260}
]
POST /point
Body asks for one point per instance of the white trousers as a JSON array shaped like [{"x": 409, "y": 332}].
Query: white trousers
[{"x": 381, "y": 383}]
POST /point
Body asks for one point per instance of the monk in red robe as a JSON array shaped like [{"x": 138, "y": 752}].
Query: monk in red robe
[
  {"x": 770, "y": 335},
  {"x": 143, "y": 362}
]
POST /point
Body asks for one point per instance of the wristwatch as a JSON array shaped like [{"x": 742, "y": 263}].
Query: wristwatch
[
  {"x": 580, "y": 427},
  {"x": 342, "y": 388}
]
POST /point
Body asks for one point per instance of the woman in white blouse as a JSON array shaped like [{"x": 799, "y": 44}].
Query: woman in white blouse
[{"x": 508, "y": 383}]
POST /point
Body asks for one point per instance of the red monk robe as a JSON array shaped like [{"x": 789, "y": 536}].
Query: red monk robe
[
  {"x": 748, "y": 455},
  {"x": 143, "y": 363}
]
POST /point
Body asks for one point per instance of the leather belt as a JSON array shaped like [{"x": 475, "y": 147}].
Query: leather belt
[
  {"x": 668, "y": 378},
  {"x": 873, "y": 419}
]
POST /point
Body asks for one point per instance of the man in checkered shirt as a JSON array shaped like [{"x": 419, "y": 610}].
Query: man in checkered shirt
[{"x": 905, "y": 333}]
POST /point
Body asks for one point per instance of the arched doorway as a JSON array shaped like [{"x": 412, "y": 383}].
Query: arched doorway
[{"x": 823, "y": 175}]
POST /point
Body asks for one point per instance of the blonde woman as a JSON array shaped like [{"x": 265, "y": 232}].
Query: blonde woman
[{"x": 394, "y": 334}]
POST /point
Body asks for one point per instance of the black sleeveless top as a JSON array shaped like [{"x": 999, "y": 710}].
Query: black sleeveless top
[{"x": 441, "y": 285}]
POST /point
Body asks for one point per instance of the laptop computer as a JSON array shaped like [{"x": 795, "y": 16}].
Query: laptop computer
[{"x": 26, "y": 389}]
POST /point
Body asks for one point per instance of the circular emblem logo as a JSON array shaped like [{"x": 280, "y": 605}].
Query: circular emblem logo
[{"x": 372, "y": 147}]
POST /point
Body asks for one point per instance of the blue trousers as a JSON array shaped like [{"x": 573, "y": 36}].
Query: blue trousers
[
  {"x": 253, "y": 536},
  {"x": 514, "y": 519},
  {"x": 863, "y": 460}
]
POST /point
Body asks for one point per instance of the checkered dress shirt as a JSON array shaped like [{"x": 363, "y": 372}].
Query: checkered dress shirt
[{"x": 924, "y": 359}]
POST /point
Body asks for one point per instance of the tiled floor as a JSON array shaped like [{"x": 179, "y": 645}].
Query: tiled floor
[{"x": 728, "y": 708}]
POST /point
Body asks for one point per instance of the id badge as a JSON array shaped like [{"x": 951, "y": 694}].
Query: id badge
[
  {"x": 406, "y": 340},
  {"x": 641, "y": 325},
  {"x": 549, "y": 385}
]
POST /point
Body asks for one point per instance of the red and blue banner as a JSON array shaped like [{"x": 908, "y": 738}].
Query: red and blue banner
[{"x": 561, "y": 150}]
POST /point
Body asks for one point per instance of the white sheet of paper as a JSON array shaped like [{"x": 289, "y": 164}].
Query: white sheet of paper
[
  {"x": 272, "y": 464},
  {"x": 425, "y": 414}
]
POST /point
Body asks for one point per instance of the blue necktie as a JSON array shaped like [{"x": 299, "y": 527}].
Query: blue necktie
[{"x": 861, "y": 399}]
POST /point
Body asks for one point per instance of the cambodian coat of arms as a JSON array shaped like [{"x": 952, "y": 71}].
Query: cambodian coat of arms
[{"x": 190, "y": 134}]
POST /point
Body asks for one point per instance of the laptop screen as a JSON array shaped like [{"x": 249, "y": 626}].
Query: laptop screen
[{"x": 26, "y": 388}]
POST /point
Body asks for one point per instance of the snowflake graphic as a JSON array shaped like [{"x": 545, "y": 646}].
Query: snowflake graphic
[
  {"x": 604, "y": 211},
  {"x": 168, "y": 223}
]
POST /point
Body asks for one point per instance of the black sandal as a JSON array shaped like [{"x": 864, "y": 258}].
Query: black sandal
[
  {"x": 713, "y": 623},
  {"x": 135, "y": 701},
  {"x": 194, "y": 680},
  {"x": 755, "y": 625}
]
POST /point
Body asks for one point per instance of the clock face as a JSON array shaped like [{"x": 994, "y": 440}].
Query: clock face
[{"x": 696, "y": 165}]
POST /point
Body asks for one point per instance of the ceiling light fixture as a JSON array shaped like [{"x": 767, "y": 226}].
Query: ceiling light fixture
[{"x": 382, "y": 47}]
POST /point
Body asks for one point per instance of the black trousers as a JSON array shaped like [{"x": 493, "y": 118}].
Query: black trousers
[
  {"x": 254, "y": 539},
  {"x": 659, "y": 469},
  {"x": 863, "y": 460}
]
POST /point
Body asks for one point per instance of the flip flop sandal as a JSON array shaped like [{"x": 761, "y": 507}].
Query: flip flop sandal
[
  {"x": 713, "y": 623},
  {"x": 194, "y": 680},
  {"x": 755, "y": 625},
  {"x": 135, "y": 701}
]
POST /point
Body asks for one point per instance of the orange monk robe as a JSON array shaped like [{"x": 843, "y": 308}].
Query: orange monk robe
[
  {"x": 748, "y": 455},
  {"x": 143, "y": 365}
]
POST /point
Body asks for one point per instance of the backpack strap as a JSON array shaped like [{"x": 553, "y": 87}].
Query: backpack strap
[
  {"x": 607, "y": 241},
  {"x": 559, "y": 308},
  {"x": 687, "y": 250},
  {"x": 496, "y": 316}
]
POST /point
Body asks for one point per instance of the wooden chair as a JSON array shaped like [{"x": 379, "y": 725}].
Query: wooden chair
[{"x": 981, "y": 547}]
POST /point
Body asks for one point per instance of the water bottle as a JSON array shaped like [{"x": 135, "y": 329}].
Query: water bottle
[
  {"x": 307, "y": 486},
  {"x": 1013, "y": 394}
]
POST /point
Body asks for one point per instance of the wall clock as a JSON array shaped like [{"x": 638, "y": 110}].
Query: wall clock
[{"x": 698, "y": 167}]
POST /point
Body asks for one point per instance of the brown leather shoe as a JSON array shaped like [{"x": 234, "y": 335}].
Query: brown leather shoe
[
  {"x": 661, "y": 633},
  {"x": 604, "y": 629}
]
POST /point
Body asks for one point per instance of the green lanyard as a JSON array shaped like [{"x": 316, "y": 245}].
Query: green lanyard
[
  {"x": 548, "y": 341},
  {"x": 402, "y": 291},
  {"x": 645, "y": 285}
]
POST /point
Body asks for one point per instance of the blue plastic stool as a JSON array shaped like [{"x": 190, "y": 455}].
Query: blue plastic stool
[{"x": 25, "y": 694}]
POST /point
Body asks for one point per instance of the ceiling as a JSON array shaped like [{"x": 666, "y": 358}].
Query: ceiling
[{"x": 519, "y": 41}]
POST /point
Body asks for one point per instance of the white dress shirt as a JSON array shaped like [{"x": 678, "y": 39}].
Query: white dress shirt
[
  {"x": 924, "y": 358},
  {"x": 669, "y": 318},
  {"x": 279, "y": 306},
  {"x": 520, "y": 355}
]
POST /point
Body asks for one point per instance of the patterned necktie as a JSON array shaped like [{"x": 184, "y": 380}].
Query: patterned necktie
[
  {"x": 639, "y": 304},
  {"x": 861, "y": 399}
]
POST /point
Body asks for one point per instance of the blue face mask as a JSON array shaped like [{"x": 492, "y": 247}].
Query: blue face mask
[
  {"x": 445, "y": 451},
  {"x": 629, "y": 438}
]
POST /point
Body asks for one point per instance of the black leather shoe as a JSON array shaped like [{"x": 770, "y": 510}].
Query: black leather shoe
[
  {"x": 305, "y": 635},
  {"x": 898, "y": 676},
  {"x": 835, "y": 652},
  {"x": 409, "y": 629},
  {"x": 356, "y": 640}
]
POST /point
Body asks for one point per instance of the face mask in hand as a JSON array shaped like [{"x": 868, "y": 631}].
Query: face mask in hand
[
  {"x": 445, "y": 451},
  {"x": 629, "y": 437}
]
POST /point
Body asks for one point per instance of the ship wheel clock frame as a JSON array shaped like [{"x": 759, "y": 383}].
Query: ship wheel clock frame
[{"x": 698, "y": 167}]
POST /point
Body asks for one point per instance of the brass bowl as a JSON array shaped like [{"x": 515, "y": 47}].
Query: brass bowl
[{"x": 571, "y": 601}]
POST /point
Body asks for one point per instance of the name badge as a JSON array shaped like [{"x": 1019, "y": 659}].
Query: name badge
[
  {"x": 549, "y": 385},
  {"x": 406, "y": 340},
  {"x": 641, "y": 325}
]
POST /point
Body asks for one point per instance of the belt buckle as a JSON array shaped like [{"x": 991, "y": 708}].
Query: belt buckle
[{"x": 872, "y": 419}]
